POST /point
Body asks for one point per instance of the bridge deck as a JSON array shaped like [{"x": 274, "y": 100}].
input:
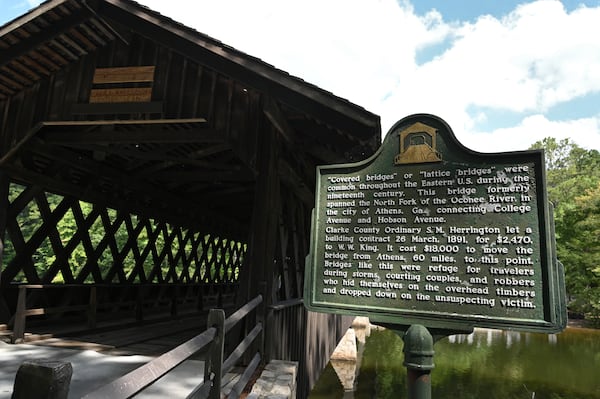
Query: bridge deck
[
  {"x": 148, "y": 339},
  {"x": 101, "y": 356}
]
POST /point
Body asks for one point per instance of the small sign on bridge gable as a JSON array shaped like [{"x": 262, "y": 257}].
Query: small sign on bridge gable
[{"x": 429, "y": 232}]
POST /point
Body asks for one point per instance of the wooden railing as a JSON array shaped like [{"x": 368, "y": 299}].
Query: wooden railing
[
  {"x": 134, "y": 301},
  {"x": 214, "y": 368}
]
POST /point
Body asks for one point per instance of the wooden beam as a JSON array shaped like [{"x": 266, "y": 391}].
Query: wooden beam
[
  {"x": 99, "y": 108},
  {"x": 30, "y": 16},
  {"x": 33, "y": 64},
  {"x": 4, "y": 203},
  {"x": 162, "y": 159},
  {"x": 133, "y": 137},
  {"x": 259, "y": 275},
  {"x": 27, "y": 248},
  {"x": 298, "y": 185},
  {"x": 119, "y": 122},
  {"x": 204, "y": 176},
  {"x": 17, "y": 147},
  {"x": 276, "y": 117},
  {"x": 230, "y": 193},
  {"x": 48, "y": 34},
  {"x": 83, "y": 39},
  {"x": 61, "y": 262},
  {"x": 131, "y": 132},
  {"x": 324, "y": 155}
]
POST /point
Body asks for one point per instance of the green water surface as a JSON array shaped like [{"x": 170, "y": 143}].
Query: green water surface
[{"x": 486, "y": 364}]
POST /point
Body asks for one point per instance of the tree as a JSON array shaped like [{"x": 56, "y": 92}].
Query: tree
[
  {"x": 580, "y": 249},
  {"x": 573, "y": 184}
]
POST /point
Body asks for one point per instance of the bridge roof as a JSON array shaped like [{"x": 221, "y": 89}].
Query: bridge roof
[{"x": 114, "y": 103}]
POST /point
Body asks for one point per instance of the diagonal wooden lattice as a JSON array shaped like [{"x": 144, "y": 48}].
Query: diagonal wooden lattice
[{"x": 56, "y": 239}]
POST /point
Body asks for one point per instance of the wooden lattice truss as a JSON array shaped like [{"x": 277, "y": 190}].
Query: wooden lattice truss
[{"x": 55, "y": 239}]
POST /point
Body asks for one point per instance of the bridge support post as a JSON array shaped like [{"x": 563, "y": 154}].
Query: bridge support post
[
  {"x": 4, "y": 203},
  {"x": 19, "y": 320}
]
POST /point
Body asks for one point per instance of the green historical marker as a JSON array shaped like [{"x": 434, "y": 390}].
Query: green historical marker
[{"x": 429, "y": 232}]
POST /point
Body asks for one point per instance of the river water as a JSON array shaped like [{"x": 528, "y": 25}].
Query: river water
[{"x": 486, "y": 364}]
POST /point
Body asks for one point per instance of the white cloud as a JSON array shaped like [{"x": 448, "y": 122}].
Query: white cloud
[
  {"x": 355, "y": 49},
  {"x": 583, "y": 131},
  {"x": 534, "y": 58}
]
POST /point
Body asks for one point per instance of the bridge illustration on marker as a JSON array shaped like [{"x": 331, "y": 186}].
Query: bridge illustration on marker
[{"x": 417, "y": 145}]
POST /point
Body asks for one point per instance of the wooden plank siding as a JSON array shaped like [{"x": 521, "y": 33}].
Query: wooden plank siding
[
  {"x": 121, "y": 95},
  {"x": 124, "y": 74}
]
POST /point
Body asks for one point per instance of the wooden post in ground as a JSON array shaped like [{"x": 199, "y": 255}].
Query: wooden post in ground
[
  {"x": 259, "y": 264},
  {"x": 19, "y": 323},
  {"x": 92, "y": 308}
]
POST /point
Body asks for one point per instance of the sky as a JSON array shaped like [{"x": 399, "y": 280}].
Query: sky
[{"x": 502, "y": 73}]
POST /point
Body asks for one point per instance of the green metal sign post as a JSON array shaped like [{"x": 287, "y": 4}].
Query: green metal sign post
[
  {"x": 419, "y": 355},
  {"x": 429, "y": 237},
  {"x": 418, "y": 360}
]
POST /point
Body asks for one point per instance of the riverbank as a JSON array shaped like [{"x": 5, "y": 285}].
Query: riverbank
[{"x": 582, "y": 323}]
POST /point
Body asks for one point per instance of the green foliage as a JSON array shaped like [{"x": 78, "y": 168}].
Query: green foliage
[{"x": 573, "y": 182}]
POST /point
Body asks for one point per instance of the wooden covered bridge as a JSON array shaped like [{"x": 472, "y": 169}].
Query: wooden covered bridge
[{"x": 149, "y": 172}]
